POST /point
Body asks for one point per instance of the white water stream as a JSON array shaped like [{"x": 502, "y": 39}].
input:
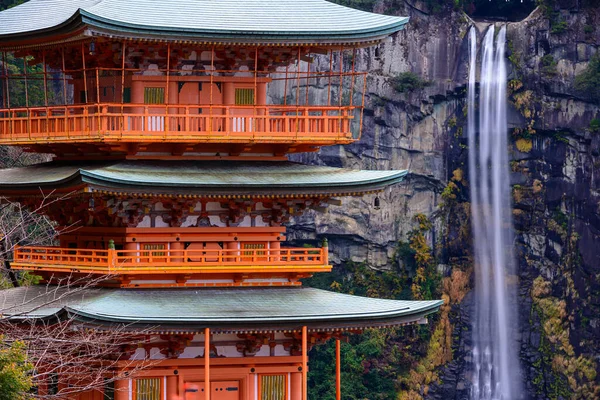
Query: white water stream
[{"x": 495, "y": 362}]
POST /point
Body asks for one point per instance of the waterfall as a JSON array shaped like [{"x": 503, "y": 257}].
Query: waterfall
[{"x": 495, "y": 362}]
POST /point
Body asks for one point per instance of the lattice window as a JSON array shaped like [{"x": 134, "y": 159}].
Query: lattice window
[
  {"x": 254, "y": 246},
  {"x": 272, "y": 387},
  {"x": 153, "y": 247},
  {"x": 147, "y": 389},
  {"x": 154, "y": 95},
  {"x": 244, "y": 97}
]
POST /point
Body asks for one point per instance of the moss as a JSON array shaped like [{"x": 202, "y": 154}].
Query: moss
[
  {"x": 594, "y": 125},
  {"x": 524, "y": 145},
  {"x": 515, "y": 85},
  {"x": 573, "y": 376},
  {"x": 452, "y": 122},
  {"x": 517, "y": 194}
]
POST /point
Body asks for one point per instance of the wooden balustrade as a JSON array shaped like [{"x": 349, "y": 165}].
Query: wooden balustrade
[
  {"x": 197, "y": 123},
  {"x": 167, "y": 260}
]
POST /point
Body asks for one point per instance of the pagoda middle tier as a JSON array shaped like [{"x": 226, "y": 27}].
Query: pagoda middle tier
[{"x": 180, "y": 223}]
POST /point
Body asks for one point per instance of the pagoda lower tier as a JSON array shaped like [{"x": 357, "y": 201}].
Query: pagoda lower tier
[{"x": 257, "y": 338}]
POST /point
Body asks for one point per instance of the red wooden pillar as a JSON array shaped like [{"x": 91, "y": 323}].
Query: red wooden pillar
[
  {"x": 304, "y": 363},
  {"x": 207, "y": 364},
  {"x": 296, "y": 386},
  {"x": 177, "y": 252},
  {"x": 122, "y": 390},
  {"x": 172, "y": 382},
  {"x": 338, "y": 375}
]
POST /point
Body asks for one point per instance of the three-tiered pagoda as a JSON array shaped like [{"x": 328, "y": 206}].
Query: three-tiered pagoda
[{"x": 170, "y": 122}]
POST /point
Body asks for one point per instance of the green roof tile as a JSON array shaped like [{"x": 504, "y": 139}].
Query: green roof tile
[
  {"x": 228, "y": 20},
  {"x": 198, "y": 176},
  {"x": 226, "y": 308}
]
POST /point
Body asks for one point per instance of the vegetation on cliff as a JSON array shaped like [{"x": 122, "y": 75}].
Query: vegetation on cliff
[{"x": 587, "y": 83}]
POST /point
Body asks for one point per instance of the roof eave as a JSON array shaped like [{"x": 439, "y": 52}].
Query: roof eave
[
  {"x": 128, "y": 31},
  {"x": 70, "y": 27}
]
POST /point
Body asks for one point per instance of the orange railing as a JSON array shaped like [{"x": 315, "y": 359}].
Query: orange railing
[
  {"x": 162, "y": 261},
  {"x": 198, "y": 123}
]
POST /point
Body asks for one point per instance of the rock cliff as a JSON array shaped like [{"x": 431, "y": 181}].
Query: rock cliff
[{"x": 555, "y": 172}]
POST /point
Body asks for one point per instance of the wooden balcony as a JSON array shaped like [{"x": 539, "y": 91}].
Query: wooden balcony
[
  {"x": 157, "y": 262},
  {"x": 142, "y": 124}
]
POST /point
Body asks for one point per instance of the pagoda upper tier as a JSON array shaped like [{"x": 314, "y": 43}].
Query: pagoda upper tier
[{"x": 146, "y": 79}]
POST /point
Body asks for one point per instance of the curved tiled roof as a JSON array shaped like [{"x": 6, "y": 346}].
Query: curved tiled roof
[
  {"x": 240, "y": 177},
  {"x": 226, "y": 309},
  {"x": 224, "y": 20}
]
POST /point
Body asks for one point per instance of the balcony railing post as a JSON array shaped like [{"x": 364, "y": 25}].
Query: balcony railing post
[
  {"x": 227, "y": 122},
  {"x": 187, "y": 119},
  {"x": 146, "y": 121},
  {"x": 112, "y": 255},
  {"x": 325, "y": 251},
  {"x": 104, "y": 119},
  {"x": 86, "y": 122}
]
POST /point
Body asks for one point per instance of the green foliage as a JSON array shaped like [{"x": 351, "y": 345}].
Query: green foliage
[
  {"x": 548, "y": 65},
  {"x": 407, "y": 82},
  {"x": 587, "y": 83},
  {"x": 595, "y": 125},
  {"x": 587, "y": 29},
  {"x": 558, "y": 27},
  {"x": 15, "y": 379}
]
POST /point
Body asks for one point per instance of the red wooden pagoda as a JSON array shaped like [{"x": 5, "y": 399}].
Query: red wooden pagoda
[{"x": 169, "y": 122}]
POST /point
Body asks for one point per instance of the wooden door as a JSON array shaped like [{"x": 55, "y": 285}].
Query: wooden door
[{"x": 220, "y": 390}]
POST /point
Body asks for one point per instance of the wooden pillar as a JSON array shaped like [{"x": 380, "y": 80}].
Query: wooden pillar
[
  {"x": 253, "y": 387},
  {"x": 296, "y": 386},
  {"x": 338, "y": 369},
  {"x": 172, "y": 382},
  {"x": 85, "y": 91},
  {"x": 304, "y": 363},
  {"x": 122, "y": 99},
  {"x": 177, "y": 251},
  {"x": 174, "y": 100},
  {"x": 122, "y": 390},
  {"x": 206, "y": 363},
  {"x": 137, "y": 94},
  {"x": 233, "y": 252},
  {"x": 228, "y": 94},
  {"x": 275, "y": 248}
]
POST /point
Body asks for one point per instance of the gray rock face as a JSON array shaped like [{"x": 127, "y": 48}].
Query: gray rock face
[{"x": 557, "y": 182}]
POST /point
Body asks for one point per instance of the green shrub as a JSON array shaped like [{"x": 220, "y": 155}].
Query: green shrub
[
  {"x": 558, "y": 27},
  {"x": 587, "y": 83},
  {"x": 406, "y": 82},
  {"x": 548, "y": 65}
]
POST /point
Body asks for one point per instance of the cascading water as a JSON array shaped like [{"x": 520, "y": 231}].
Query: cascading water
[{"x": 495, "y": 362}]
